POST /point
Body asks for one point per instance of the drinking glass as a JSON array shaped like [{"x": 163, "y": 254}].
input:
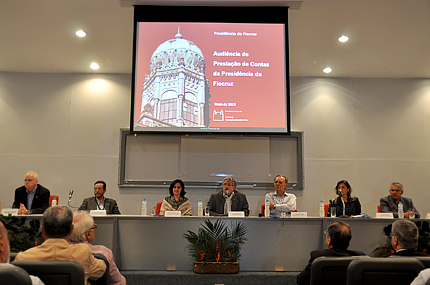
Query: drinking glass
[{"x": 333, "y": 212}]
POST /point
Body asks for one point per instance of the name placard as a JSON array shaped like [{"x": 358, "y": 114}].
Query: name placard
[
  {"x": 428, "y": 216},
  {"x": 7, "y": 211},
  {"x": 236, "y": 214},
  {"x": 299, "y": 214},
  {"x": 97, "y": 212},
  {"x": 384, "y": 216},
  {"x": 172, "y": 213}
]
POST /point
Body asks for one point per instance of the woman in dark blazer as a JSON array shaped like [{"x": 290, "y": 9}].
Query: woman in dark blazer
[{"x": 352, "y": 204}]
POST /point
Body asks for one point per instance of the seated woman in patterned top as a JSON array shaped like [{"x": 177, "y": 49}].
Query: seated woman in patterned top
[{"x": 177, "y": 200}]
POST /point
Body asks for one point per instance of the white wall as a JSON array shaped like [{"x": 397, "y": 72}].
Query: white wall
[{"x": 66, "y": 128}]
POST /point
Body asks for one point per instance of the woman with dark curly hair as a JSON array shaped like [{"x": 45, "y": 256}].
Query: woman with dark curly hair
[
  {"x": 177, "y": 200},
  {"x": 345, "y": 204}
]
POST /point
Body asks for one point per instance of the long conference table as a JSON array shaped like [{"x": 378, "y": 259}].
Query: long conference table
[{"x": 157, "y": 243}]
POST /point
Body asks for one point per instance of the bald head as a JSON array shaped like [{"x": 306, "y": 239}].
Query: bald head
[{"x": 340, "y": 235}]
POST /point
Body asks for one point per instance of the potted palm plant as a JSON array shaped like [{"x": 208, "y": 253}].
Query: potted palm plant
[{"x": 216, "y": 247}]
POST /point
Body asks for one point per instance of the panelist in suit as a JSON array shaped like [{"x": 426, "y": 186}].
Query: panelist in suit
[
  {"x": 32, "y": 198},
  {"x": 229, "y": 199},
  {"x": 404, "y": 239},
  {"x": 390, "y": 203},
  {"x": 345, "y": 204},
  {"x": 281, "y": 201},
  {"x": 177, "y": 200},
  {"x": 338, "y": 236},
  {"x": 99, "y": 201}
]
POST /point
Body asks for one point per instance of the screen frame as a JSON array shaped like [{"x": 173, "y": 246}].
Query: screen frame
[{"x": 212, "y": 14}]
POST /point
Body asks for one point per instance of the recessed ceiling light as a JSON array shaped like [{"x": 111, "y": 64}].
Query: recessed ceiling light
[
  {"x": 327, "y": 70},
  {"x": 343, "y": 39},
  {"x": 81, "y": 33},
  {"x": 94, "y": 66}
]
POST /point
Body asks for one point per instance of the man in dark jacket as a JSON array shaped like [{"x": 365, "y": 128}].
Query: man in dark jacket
[
  {"x": 337, "y": 240},
  {"x": 404, "y": 239},
  {"x": 229, "y": 199},
  {"x": 32, "y": 198},
  {"x": 390, "y": 203},
  {"x": 99, "y": 201}
]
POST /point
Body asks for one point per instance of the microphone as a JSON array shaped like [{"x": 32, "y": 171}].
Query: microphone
[
  {"x": 70, "y": 194},
  {"x": 70, "y": 198}
]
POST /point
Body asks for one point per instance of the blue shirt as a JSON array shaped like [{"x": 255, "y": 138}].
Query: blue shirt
[
  {"x": 30, "y": 197},
  {"x": 285, "y": 204}
]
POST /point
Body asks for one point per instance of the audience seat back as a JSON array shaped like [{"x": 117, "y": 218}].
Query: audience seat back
[
  {"x": 376, "y": 271},
  {"x": 54, "y": 272}
]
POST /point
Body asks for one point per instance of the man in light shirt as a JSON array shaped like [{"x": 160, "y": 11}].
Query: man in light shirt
[
  {"x": 281, "y": 201},
  {"x": 57, "y": 226}
]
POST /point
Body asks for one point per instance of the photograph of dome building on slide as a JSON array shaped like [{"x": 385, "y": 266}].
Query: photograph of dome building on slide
[{"x": 176, "y": 92}]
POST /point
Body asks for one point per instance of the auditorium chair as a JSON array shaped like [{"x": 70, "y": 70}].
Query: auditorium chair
[
  {"x": 54, "y": 272},
  {"x": 104, "y": 280},
  {"x": 330, "y": 270},
  {"x": 52, "y": 198},
  {"x": 377, "y": 271},
  {"x": 424, "y": 260},
  {"x": 157, "y": 210},
  {"x": 14, "y": 275}
]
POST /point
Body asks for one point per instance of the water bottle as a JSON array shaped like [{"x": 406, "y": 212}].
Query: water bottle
[
  {"x": 143, "y": 211},
  {"x": 54, "y": 201},
  {"x": 401, "y": 213},
  {"x": 267, "y": 209},
  {"x": 322, "y": 211},
  {"x": 200, "y": 208}
]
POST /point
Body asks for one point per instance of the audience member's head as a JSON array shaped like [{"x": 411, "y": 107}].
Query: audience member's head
[
  {"x": 57, "y": 222},
  {"x": 396, "y": 191},
  {"x": 83, "y": 227},
  {"x": 338, "y": 235},
  {"x": 280, "y": 183},
  {"x": 181, "y": 184},
  {"x": 4, "y": 245},
  {"x": 228, "y": 185},
  {"x": 404, "y": 235}
]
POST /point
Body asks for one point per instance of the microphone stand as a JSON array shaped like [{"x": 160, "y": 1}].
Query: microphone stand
[{"x": 70, "y": 198}]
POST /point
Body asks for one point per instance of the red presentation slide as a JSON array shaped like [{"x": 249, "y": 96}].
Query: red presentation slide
[{"x": 245, "y": 70}]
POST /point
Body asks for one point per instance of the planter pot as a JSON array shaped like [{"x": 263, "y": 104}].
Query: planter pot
[{"x": 216, "y": 267}]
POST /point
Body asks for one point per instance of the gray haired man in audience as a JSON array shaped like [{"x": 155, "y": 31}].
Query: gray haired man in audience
[
  {"x": 404, "y": 239},
  {"x": 84, "y": 232},
  {"x": 57, "y": 225}
]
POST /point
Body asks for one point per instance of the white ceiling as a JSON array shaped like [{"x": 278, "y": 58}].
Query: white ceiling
[{"x": 388, "y": 38}]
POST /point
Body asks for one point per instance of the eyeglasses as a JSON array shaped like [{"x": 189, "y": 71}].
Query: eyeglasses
[
  {"x": 28, "y": 180},
  {"x": 93, "y": 228},
  {"x": 325, "y": 232}
]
